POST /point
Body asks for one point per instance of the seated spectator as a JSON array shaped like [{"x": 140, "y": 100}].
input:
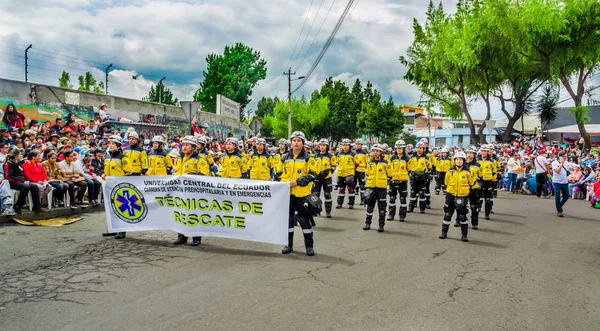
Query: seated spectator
[
  {"x": 98, "y": 162},
  {"x": 69, "y": 171},
  {"x": 574, "y": 179},
  {"x": 35, "y": 173},
  {"x": 6, "y": 199},
  {"x": 13, "y": 172},
  {"x": 55, "y": 178},
  {"x": 93, "y": 181}
]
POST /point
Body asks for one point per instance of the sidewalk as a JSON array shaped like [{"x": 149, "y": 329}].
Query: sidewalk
[{"x": 46, "y": 214}]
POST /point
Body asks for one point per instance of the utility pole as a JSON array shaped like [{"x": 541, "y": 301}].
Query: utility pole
[
  {"x": 160, "y": 92},
  {"x": 26, "y": 50},
  {"x": 289, "y": 73},
  {"x": 106, "y": 80}
]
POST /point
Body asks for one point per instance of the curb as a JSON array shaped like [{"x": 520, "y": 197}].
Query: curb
[{"x": 46, "y": 214}]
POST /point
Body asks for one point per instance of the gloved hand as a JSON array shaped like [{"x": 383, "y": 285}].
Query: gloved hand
[
  {"x": 245, "y": 175},
  {"x": 214, "y": 169},
  {"x": 303, "y": 181}
]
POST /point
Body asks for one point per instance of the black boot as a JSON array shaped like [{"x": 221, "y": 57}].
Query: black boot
[
  {"x": 367, "y": 226},
  {"x": 444, "y": 233},
  {"x": 391, "y": 213},
  {"x": 181, "y": 239},
  {"x": 380, "y": 229},
  {"x": 456, "y": 225},
  {"x": 402, "y": 213},
  {"x": 310, "y": 251},
  {"x": 196, "y": 241},
  {"x": 287, "y": 250},
  {"x": 120, "y": 235},
  {"x": 464, "y": 228},
  {"x": 109, "y": 234}
]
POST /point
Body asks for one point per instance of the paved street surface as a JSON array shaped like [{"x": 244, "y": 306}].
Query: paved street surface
[{"x": 524, "y": 269}]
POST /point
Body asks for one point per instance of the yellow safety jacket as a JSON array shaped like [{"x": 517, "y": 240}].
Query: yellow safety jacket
[
  {"x": 498, "y": 166},
  {"x": 345, "y": 164},
  {"x": 443, "y": 165},
  {"x": 136, "y": 160},
  {"x": 399, "y": 167},
  {"x": 278, "y": 156},
  {"x": 290, "y": 168},
  {"x": 458, "y": 182},
  {"x": 418, "y": 163},
  {"x": 475, "y": 173},
  {"x": 159, "y": 163},
  {"x": 260, "y": 166},
  {"x": 185, "y": 165},
  {"x": 205, "y": 161},
  {"x": 325, "y": 164},
  {"x": 488, "y": 168},
  {"x": 113, "y": 164},
  {"x": 377, "y": 173},
  {"x": 430, "y": 158},
  {"x": 233, "y": 165},
  {"x": 361, "y": 159},
  {"x": 387, "y": 157}
]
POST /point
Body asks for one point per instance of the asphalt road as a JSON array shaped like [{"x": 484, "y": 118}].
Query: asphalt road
[{"x": 525, "y": 269}]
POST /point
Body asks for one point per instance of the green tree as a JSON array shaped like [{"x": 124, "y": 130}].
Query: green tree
[
  {"x": 547, "y": 106},
  {"x": 65, "y": 80},
  {"x": 341, "y": 122},
  {"x": 437, "y": 67},
  {"x": 266, "y": 106},
  {"x": 89, "y": 84},
  {"x": 380, "y": 119},
  {"x": 233, "y": 74},
  {"x": 161, "y": 94},
  {"x": 308, "y": 117}
]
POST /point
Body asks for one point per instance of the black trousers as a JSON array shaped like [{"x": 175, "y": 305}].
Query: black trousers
[
  {"x": 346, "y": 183},
  {"x": 359, "y": 178},
  {"x": 299, "y": 212},
  {"x": 381, "y": 201},
  {"x": 24, "y": 190},
  {"x": 417, "y": 187},
  {"x": 82, "y": 185},
  {"x": 475, "y": 206},
  {"x": 541, "y": 181},
  {"x": 398, "y": 188},
  {"x": 326, "y": 184},
  {"x": 439, "y": 182},
  {"x": 458, "y": 204},
  {"x": 487, "y": 194}
]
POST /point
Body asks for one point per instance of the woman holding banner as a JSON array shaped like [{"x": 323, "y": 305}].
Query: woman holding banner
[
  {"x": 300, "y": 169},
  {"x": 187, "y": 164},
  {"x": 113, "y": 166}
]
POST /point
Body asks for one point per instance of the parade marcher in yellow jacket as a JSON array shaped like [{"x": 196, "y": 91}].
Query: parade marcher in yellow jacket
[
  {"x": 282, "y": 150},
  {"x": 261, "y": 162},
  {"x": 474, "y": 194},
  {"x": 399, "y": 182},
  {"x": 325, "y": 166},
  {"x": 419, "y": 167},
  {"x": 488, "y": 172},
  {"x": 378, "y": 171},
  {"x": 431, "y": 166},
  {"x": 206, "y": 164},
  {"x": 113, "y": 166},
  {"x": 346, "y": 166},
  {"x": 136, "y": 159},
  {"x": 458, "y": 185},
  {"x": 361, "y": 158},
  {"x": 443, "y": 163},
  {"x": 159, "y": 161},
  {"x": 187, "y": 164},
  {"x": 233, "y": 164},
  {"x": 299, "y": 169}
]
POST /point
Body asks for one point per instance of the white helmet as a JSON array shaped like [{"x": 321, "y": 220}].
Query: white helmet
[
  {"x": 461, "y": 155},
  {"x": 189, "y": 140},
  {"x": 377, "y": 147},
  {"x": 158, "y": 139},
  {"x": 116, "y": 139},
  {"x": 444, "y": 149},
  {"x": 147, "y": 142},
  {"x": 298, "y": 134},
  {"x": 346, "y": 142},
  {"x": 420, "y": 144},
  {"x": 358, "y": 141},
  {"x": 134, "y": 135},
  {"x": 232, "y": 140},
  {"x": 400, "y": 144},
  {"x": 424, "y": 140},
  {"x": 324, "y": 142},
  {"x": 261, "y": 141}
]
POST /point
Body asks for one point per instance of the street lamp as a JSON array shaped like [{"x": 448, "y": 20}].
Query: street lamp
[{"x": 160, "y": 91}]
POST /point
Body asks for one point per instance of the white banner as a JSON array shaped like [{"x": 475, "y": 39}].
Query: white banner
[
  {"x": 227, "y": 107},
  {"x": 199, "y": 206}
]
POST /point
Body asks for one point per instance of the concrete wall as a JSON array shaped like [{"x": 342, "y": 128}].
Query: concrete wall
[{"x": 43, "y": 102}]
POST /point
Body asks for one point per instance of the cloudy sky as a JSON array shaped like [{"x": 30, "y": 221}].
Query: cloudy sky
[{"x": 171, "y": 38}]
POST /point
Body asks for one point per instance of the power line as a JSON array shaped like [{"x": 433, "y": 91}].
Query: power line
[
  {"x": 336, "y": 29},
  {"x": 317, "y": 35},
  {"x": 308, "y": 33}
]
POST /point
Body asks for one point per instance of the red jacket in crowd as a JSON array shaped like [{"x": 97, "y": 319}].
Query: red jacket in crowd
[{"x": 34, "y": 173}]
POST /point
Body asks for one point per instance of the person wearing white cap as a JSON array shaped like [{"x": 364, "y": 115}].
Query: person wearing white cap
[
  {"x": 378, "y": 171},
  {"x": 137, "y": 159}
]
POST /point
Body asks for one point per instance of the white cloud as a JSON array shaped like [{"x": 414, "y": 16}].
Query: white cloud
[{"x": 402, "y": 87}]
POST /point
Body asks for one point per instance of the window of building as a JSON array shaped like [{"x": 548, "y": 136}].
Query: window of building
[
  {"x": 440, "y": 142},
  {"x": 409, "y": 120},
  {"x": 460, "y": 140}
]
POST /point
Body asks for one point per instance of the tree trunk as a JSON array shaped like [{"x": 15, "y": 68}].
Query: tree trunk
[
  {"x": 577, "y": 98},
  {"x": 486, "y": 99},
  {"x": 474, "y": 137},
  {"x": 509, "y": 127}
]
